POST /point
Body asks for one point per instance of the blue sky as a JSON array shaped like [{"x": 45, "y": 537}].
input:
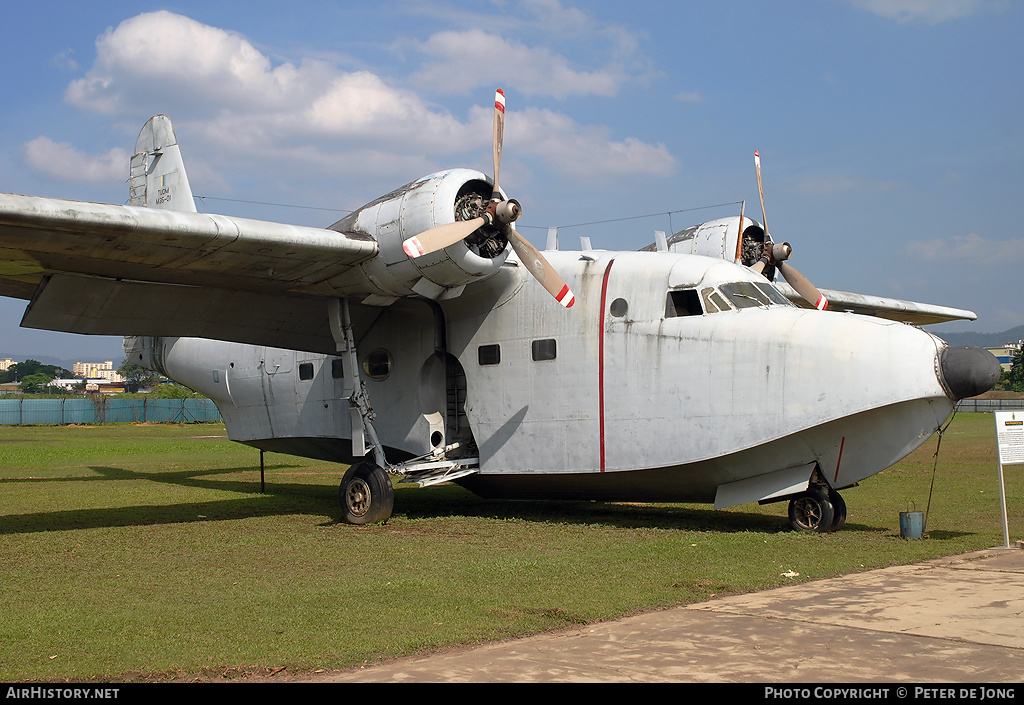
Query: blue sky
[{"x": 890, "y": 131}]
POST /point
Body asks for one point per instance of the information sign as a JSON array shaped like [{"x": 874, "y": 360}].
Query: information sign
[
  {"x": 1010, "y": 439},
  {"x": 1010, "y": 436}
]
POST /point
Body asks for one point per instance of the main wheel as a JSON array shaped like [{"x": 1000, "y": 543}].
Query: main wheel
[
  {"x": 839, "y": 510},
  {"x": 366, "y": 494},
  {"x": 811, "y": 511}
]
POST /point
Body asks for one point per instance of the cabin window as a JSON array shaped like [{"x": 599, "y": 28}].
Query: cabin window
[
  {"x": 377, "y": 364},
  {"x": 337, "y": 368},
  {"x": 544, "y": 349},
  {"x": 489, "y": 354},
  {"x": 619, "y": 308},
  {"x": 306, "y": 370},
  {"x": 683, "y": 302}
]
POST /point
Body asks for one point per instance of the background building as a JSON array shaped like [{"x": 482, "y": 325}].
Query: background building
[
  {"x": 1006, "y": 352},
  {"x": 97, "y": 370}
]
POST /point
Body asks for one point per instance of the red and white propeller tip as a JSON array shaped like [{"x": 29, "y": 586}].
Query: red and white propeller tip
[{"x": 499, "y": 135}]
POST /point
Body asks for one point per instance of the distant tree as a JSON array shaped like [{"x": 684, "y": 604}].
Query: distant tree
[
  {"x": 172, "y": 390},
  {"x": 22, "y": 370},
  {"x": 36, "y": 383},
  {"x": 1015, "y": 377},
  {"x": 137, "y": 376},
  {"x": 29, "y": 367}
]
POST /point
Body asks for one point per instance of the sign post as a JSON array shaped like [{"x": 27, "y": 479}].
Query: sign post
[{"x": 1010, "y": 438}]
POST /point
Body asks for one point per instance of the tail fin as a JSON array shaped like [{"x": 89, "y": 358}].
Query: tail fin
[{"x": 158, "y": 177}]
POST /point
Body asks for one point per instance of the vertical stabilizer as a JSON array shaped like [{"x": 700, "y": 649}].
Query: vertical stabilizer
[{"x": 158, "y": 177}]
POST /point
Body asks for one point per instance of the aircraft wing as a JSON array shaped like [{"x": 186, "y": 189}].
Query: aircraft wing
[
  {"x": 42, "y": 235},
  {"x": 106, "y": 269},
  {"x": 892, "y": 309}
]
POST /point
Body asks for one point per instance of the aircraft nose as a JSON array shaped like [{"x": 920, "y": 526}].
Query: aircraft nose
[{"x": 968, "y": 371}]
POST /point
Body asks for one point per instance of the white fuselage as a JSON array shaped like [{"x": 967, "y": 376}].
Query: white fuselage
[{"x": 632, "y": 394}]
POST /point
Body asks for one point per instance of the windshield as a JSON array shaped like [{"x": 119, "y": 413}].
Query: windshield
[{"x": 751, "y": 294}]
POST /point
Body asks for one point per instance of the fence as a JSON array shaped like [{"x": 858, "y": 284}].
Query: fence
[
  {"x": 989, "y": 405},
  {"x": 97, "y": 410}
]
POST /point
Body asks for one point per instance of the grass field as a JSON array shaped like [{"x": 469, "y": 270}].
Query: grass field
[{"x": 148, "y": 552}]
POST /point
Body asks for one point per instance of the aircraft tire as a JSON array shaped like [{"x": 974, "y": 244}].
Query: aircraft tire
[
  {"x": 811, "y": 511},
  {"x": 839, "y": 510},
  {"x": 366, "y": 495}
]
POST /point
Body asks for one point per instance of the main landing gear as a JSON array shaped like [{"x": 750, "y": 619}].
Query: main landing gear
[
  {"x": 366, "y": 494},
  {"x": 817, "y": 509}
]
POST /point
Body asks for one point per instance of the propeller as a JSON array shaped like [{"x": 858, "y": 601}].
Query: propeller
[
  {"x": 782, "y": 251},
  {"x": 501, "y": 213}
]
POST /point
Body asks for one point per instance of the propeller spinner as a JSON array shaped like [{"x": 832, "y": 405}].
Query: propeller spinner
[
  {"x": 501, "y": 213},
  {"x": 779, "y": 253}
]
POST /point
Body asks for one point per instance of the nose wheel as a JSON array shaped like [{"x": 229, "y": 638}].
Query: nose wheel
[{"x": 817, "y": 510}]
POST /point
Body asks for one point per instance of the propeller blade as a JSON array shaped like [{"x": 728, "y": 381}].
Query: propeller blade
[
  {"x": 803, "y": 286},
  {"x": 541, "y": 269},
  {"x": 499, "y": 135},
  {"x": 781, "y": 252},
  {"x": 442, "y": 236},
  {"x": 760, "y": 191}
]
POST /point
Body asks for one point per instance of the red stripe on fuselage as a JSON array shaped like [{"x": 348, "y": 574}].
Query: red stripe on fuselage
[
  {"x": 839, "y": 459},
  {"x": 600, "y": 360}
]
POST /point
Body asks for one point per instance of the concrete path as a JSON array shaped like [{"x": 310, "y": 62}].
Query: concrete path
[{"x": 951, "y": 620}]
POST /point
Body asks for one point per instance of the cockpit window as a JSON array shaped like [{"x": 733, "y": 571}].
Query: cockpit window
[
  {"x": 713, "y": 300},
  {"x": 753, "y": 294},
  {"x": 683, "y": 302},
  {"x": 773, "y": 294},
  {"x": 744, "y": 294}
]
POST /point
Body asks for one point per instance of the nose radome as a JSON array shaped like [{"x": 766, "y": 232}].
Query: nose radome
[{"x": 968, "y": 371}]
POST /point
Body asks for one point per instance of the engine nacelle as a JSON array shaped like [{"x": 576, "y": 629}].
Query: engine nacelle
[
  {"x": 438, "y": 199},
  {"x": 719, "y": 238}
]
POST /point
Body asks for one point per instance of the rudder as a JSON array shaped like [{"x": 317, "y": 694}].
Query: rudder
[{"x": 158, "y": 177}]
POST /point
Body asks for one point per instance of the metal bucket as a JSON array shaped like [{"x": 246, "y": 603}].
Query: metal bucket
[{"x": 911, "y": 524}]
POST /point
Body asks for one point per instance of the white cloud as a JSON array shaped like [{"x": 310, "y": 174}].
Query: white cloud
[
  {"x": 65, "y": 60},
  {"x": 970, "y": 249},
  {"x": 927, "y": 11},
  {"x": 62, "y": 161},
  {"x": 456, "y": 67},
  {"x": 310, "y": 116},
  {"x": 161, "y": 54},
  {"x": 584, "y": 153},
  {"x": 689, "y": 97}
]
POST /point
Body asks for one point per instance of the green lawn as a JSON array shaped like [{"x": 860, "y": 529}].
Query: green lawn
[{"x": 132, "y": 549}]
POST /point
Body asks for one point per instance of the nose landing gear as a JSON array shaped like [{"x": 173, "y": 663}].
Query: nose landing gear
[{"x": 818, "y": 510}]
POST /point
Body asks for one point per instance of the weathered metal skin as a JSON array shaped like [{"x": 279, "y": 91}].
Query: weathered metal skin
[
  {"x": 635, "y": 405},
  {"x": 693, "y": 402}
]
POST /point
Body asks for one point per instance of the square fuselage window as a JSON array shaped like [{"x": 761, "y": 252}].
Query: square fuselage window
[
  {"x": 489, "y": 354},
  {"x": 544, "y": 349}
]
